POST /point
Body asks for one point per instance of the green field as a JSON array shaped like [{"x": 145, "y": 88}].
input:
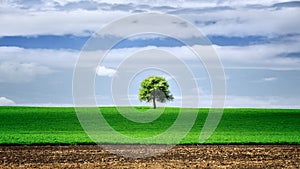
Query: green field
[{"x": 44, "y": 125}]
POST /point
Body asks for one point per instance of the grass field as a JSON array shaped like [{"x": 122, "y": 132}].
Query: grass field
[{"x": 44, "y": 125}]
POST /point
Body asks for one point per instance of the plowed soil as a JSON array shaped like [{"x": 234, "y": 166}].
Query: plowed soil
[{"x": 181, "y": 156}]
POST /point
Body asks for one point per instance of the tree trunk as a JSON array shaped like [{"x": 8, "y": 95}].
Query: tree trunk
[{"x": 154, "y": 104}]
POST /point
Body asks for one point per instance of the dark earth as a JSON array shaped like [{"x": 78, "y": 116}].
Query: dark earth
[{"x": 180, "y": 156}]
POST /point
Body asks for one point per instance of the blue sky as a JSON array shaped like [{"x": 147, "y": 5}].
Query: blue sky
[{"x": 257, "y": 42}]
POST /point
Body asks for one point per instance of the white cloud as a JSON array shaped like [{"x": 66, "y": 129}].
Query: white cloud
[
  {"x": 262, "y": 56},
  {"x": 88, "y": 16},
  {"x": 77, "y": 22},
  {"x": 246, "y": 22},
  {"x": 266, "y": 79},
  {"x": 269, "y": 79},
  {"x": 15, "y": 72},
  {"x": 139, "y": 4},
  {"x": 6, "y": 102},
  {"x": 103, "y": 71},
  {"x": 49, "y": 57}
]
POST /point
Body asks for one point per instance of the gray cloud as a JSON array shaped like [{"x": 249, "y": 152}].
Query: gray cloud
[
  {"x": 228, "y": 18},
  {"x": 292, "y": 4},
  {"x": 175, "y": 6},
  {"x": 86, "y": 5},
  {"x": 14, "y": 72},
  {"x": 200, "y": 10}
]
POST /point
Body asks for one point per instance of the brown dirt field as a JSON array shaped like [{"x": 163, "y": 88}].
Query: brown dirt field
[{"x": 181, "y": 156}]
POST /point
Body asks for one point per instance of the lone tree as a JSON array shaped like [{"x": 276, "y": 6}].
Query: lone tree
[{"x": 155, "y": 88}]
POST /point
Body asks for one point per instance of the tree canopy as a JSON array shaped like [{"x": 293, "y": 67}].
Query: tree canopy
[{"x": 155, "y": 88}]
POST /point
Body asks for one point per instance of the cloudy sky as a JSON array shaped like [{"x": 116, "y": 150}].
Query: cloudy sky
[{"x": 258, "y": 43}]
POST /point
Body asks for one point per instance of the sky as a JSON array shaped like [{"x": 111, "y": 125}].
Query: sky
[{"x": 258, "y": 43}]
